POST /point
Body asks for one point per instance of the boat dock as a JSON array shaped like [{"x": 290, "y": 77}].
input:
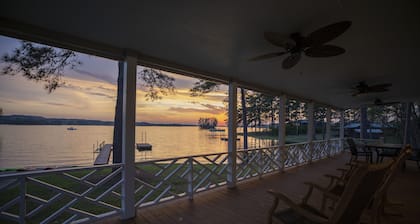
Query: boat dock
[
  {"x": 144, "y": 147},
  {"x": 104, "y": 154}
]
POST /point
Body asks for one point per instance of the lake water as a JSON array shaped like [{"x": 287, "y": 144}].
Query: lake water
[{"x": 43, "y": 145}]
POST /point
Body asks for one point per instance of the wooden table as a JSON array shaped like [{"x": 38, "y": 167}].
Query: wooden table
[{"x": 384, "y": 149}]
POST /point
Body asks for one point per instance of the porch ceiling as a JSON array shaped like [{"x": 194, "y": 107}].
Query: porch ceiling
[{"x": 219, "y": 37}]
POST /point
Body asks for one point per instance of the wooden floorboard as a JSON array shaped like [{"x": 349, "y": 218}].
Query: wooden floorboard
[{"x": 249, "y": 202}]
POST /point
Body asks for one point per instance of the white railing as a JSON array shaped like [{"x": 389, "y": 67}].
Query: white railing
[
  {"x": 91, "y": 193},
  {"x": 67, "y": 195},
  {"x": 162, "y": 180}
]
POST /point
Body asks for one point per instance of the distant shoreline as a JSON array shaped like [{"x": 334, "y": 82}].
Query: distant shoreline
[{"x": 38, "y": 120}]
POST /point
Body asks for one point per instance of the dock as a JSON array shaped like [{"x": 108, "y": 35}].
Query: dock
[
  {"x": 144, "y": 147},
  {"x": 104, "y": 154},
  {"x": 227, "y": 139}
]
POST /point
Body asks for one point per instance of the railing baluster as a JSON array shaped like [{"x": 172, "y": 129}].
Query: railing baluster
[
  {"x": 190, "y": 190},
  {"x": 22, "y": 201},
  {"x": 260, "y": 164}
]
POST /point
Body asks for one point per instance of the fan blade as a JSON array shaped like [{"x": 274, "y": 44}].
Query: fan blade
[
  {"x": 267, "y": 56},
  {"x": 279, "y": 40},
  {"x": 324, "y": 51},
  {"x": 291, "y": 61},
  {"x": 327, "y": 33}
]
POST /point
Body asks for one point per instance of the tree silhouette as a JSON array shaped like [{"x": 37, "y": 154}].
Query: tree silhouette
[{"x": 40, "y": 63}]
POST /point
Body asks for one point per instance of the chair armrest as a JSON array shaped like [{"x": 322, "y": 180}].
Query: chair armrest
[
  {"x": 334, "y": 179},
  {"x": 297, "y": 208},
  {"x": 323, "y": 190}
]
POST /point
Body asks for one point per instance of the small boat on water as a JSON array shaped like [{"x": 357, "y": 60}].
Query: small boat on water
[{"x": 71, "y": 128}]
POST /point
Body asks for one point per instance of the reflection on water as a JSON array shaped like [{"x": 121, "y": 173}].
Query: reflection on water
[{"x": 42, "y": 145}]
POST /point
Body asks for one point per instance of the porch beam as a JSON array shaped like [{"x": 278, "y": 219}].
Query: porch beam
[
  {"x": 232, "y": 126},
  {"x": 129, "y": 73}
]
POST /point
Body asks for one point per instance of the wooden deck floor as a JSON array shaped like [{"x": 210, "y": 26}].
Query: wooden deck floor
[{"x": 249, "y": 203}]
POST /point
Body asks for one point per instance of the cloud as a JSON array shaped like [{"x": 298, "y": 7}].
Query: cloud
[
  {"x": 57, "y": 104},
  {"x": 101, "y": 94},
  {"x": 109, "y": 79},
  {"x": 208, "y": 108},
  {"x": 214, "y": 108},
  {"x": 7, "y": 100},
  {"x": 91, "y": 90}
]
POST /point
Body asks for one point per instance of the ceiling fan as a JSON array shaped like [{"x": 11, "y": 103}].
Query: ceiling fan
[
  {"x": 363, "y": 88},
  {"x": 313, "y": 45}
]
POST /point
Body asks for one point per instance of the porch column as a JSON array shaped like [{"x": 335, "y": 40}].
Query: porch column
[
  {"x": 281, "y": 157},
  {"x": 328, "y": 129},
  {"x": 342, "y": 130},
  {"x": 310, "y": 129},
  {"x": 128, "y": 136},
  {"x": 363, "y": 122},
  {"x": 407, "y": 110},
  {"x": 232, "y": 118},
  {"x": 328, "y": 124}
]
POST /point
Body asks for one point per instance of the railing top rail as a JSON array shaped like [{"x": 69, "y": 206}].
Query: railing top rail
[
  {"x": 298, "y": 143},
  {"x": 58, "y": 170},
  {"x": 202, "y": 155}
]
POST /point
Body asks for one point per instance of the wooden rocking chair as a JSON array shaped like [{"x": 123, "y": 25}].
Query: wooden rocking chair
[
  {"x": 380, "y": 199},
  {"x": 358, "y": 192}
]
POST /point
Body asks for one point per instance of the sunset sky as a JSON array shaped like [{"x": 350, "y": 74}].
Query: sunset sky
[{"x": 90, "y": 93}]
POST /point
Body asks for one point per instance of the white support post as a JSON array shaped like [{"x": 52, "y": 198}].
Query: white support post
[
  {"x": 310, "y": 129},
  {"x": 328, "y": 124},
  {"x": 407, "y": 115},
  {"x": 129, "y": 73},
  {"x": 363, "y": 123},
  {"x": 281, "y": 158},
  {"x": 328, "y": 130},
  {"x": 232, "y": 117},
  {"x": 342, "y": 130}
]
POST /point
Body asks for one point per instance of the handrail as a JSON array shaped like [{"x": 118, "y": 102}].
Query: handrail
[{"x": 58, "y": 170}]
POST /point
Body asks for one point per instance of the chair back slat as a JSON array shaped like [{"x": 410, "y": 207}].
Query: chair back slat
[{"x": 358, "y": 192}]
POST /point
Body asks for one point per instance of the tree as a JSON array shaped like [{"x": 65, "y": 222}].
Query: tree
[
  {"x": 207, "y": 123},
  {"x": 46, "y": 64},
  {"x": 40, "y": 63},
  {"x": 203, "y": 87}
]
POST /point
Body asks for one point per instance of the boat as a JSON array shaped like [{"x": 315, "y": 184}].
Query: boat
[
  {"x": 216, "y": 130},
  {"x": 71, "y": 128}
]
